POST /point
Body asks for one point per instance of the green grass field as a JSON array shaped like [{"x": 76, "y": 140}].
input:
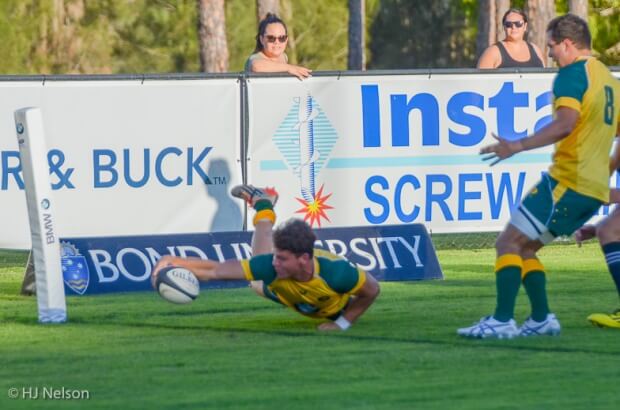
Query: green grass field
[{"x": 230, "y": 349}]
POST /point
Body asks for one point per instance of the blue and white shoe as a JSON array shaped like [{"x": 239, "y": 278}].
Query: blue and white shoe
[
  {"x": 548, "y": 327},
  {"x": 252, "y": 194},
  {"x": 489, "y": 327}
]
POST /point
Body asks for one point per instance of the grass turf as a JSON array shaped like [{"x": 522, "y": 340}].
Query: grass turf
[{"x": 230, "y": 349}]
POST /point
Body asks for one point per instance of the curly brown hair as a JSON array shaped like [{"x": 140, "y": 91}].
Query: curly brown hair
[{"x": 295, "y": 236}]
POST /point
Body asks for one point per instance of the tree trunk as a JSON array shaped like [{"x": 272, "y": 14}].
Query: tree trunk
[
  {"x": 357, "y": 60},
  {"x": 267, "y": 6},
  {"x": 60, "y": 45},
  {"x": 486, "y": 26},
  {"x": 579, "y": 8},
  {"x": 539, "y": 13},
  {"x": 501, "y": 7},
  {"x": 287, "y": 12},
  {"x": 212, "y": 36}
]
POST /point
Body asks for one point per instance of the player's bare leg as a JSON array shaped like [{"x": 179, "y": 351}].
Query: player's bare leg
[
  {"x": 516, "y": 261},
  {"x": 262, "y": 238},
  {"x": 262, "y": 200}
]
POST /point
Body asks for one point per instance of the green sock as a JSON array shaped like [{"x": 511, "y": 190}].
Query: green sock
[
  {"x": 534, "y": 282},
  {"x": 507, "y": 280},
  {"x": 263, "y": 204}
]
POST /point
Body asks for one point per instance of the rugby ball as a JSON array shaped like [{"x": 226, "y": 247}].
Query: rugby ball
[{"x": 177, "y": 285}]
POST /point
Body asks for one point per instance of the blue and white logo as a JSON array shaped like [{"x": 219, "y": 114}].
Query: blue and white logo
[
  {"x": 20, "y": 128},
  {"x": 306, "y": 139},
  {"x": 74, "y": 268},
  {"x": 45, "y": 203}
]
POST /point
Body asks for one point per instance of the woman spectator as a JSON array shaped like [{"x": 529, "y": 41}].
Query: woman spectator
[
  {"x": 514, "y": 51},
  {"x": 269, "y": 55}
]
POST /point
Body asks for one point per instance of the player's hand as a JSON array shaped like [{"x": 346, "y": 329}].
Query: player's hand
[
  {"x": 298, "y": 71},
  {"x": 584, "y": 233},
  {"x": 501, "y": 150},
  {"x": 328, "y": 327},
  {"x": 166, "y": 260}
]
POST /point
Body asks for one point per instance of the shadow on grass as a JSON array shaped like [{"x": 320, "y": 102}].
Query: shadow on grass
[
  {"x": 457, "y": 342},
  {"x": 485, "y": 344}
]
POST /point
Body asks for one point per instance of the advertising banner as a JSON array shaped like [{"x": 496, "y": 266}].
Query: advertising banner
[
  {"x": 122, "y": 264},
  {"x": 372, "y": 150},
  {"x": 127, "y": 157}
]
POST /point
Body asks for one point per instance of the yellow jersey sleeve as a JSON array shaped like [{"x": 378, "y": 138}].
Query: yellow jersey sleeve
[{"x": 245, "y": 265}]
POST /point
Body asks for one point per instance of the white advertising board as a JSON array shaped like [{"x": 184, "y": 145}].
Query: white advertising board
[
  {"x": 368, "y": 150},
  {"x": 127, "y": 157}
]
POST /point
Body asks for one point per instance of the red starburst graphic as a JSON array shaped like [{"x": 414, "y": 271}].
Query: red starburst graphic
[{"x": 315, "y": 211}]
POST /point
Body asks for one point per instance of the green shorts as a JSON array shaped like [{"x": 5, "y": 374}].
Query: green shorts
[{"x": 551, "y": 209}]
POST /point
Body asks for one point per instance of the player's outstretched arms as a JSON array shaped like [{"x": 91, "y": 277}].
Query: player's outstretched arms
[
  {"x": 362, "y": 300},
  {"x": 202, "y": 268}
]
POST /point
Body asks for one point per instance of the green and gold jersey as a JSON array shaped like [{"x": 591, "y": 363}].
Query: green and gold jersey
[
  {"x": 326, "y": 294},
  {"x": 581, "y": 160}
]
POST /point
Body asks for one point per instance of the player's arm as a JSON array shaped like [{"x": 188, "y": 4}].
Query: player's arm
[
  {"x": 562, "y": 125},
  {"x": 203, "y": 269},
  {"x": 363, "y": 298},
  {"x": 589, "y": 231},
  {"x": 614, "y": 160}
]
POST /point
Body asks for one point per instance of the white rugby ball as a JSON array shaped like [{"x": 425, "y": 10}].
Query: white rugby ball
[{"x": 177, "y": 285}]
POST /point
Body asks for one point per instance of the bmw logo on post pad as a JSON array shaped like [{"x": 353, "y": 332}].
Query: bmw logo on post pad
[{"x": 45, "y": 203}]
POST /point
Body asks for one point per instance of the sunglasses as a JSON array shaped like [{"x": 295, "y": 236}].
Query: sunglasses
[
  {"x": 272, "y": 39},
  {"x": 517, "y": 24}
]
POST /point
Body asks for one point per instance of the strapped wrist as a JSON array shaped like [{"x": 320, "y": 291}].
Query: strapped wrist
[{"x": 342, "y": 322}]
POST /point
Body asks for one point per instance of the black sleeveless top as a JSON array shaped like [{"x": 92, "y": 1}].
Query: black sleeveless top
[{"x": 509, "y": 62}]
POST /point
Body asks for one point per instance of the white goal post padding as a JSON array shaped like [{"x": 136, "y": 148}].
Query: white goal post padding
[{"x": 40, "y": 202}]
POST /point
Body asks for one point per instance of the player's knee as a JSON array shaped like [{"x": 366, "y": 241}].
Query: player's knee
[{"x": 504, "y": 245}]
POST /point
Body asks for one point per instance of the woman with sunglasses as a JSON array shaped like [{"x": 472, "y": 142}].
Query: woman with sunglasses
[
  {"x": 514, "y": 51},
  {"x": 269, "y": 55}
]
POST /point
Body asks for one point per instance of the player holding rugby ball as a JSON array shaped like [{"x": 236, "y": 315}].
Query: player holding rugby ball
[{"x": 286, "y": 269}]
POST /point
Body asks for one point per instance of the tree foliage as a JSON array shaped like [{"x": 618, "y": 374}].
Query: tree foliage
[
  {"x": 424, "y": 33},
  {"x": 604, "y": 20},
  {"x": 160, "y": 36}
]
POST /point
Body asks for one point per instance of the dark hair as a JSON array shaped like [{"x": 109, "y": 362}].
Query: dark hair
[
  {"x": 270, "y": 18},
  {"x": 517, "y": 11},
  {"x": 295, "y": 236},
  {"x": 572, "y": 27}
]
